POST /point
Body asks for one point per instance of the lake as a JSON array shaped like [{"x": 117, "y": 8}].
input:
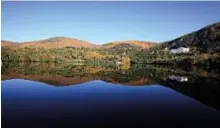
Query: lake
[{"x": 65, "y": 95}]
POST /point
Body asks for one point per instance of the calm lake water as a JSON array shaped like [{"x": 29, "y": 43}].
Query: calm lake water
[{"x": 45, "y": 95}]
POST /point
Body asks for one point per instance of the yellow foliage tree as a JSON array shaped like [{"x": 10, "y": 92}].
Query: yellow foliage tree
[{"x": 126, "y": 62}]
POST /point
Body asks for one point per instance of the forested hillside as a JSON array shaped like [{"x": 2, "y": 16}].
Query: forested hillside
[{"x": 203, "y": 45}]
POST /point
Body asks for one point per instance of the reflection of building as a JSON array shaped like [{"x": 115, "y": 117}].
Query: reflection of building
[
  {"x": 179, "y": 50},
  {"x": 178, "y": 78},
  {"x": 166, "y": 49}
]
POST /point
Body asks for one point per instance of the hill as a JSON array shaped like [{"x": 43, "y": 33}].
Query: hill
[
  {"x": 131, "y": 43},
  {"x": 5, "y": 43},
  {"x": 203, "y": 49},
  {"x": 61, "y": 42},
  {"x": 55, "y": 42},
  {"x": 205, "y": 39}
]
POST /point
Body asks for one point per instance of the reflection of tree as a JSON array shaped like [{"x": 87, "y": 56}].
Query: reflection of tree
[{"x": 114, "y": 74}]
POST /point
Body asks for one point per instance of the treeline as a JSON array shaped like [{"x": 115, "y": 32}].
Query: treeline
[
  {"x": 67, "y": 54},
  {"x": 121, "y": 54}
]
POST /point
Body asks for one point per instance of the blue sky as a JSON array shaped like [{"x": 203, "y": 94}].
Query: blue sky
[{"x": 102, "y": 22}]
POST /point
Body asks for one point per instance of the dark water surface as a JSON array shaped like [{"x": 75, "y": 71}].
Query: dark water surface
[{"x": 85, "y": 96}]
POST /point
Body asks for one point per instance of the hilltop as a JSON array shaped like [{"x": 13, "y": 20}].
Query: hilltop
[
  {"x": 54, "y": 42},
  {"x": 131, "y": 43}
]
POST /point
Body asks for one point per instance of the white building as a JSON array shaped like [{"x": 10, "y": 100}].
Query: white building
[
  {"x": 179, "y": 50},
  {"x": 118, "y": 63}
]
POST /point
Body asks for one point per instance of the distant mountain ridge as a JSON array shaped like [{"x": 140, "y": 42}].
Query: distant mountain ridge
[
  {"x": 206, "y": 38},
  {"x": 60, "y": 42}
]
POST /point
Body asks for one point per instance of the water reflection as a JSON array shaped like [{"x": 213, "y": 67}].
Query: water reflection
[
  {"x": 92, "y": 94},
  {"x": 178, "y": 78}
]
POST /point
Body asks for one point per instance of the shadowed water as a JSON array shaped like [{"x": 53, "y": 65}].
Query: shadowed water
[{"x": 49, "y": 95}]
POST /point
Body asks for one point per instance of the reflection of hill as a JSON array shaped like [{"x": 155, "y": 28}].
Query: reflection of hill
[
  {"x": 139, "y": 82},
  {"x": 52, "y": 80},
  {"x": 206, "y": 90},
  {"x": 69, "y": 74},
  {"x": 50, "y": 73},
  {"x": 201, "y": 84}
]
